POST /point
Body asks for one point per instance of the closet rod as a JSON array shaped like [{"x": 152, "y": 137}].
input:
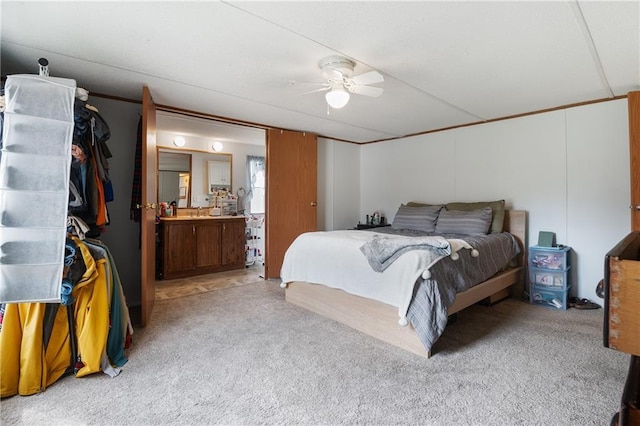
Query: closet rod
[{"x": 43, "y": 65}]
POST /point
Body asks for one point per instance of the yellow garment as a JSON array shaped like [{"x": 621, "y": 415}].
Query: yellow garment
[
  {"x": 92, "y": 313},
  {"x": 26, "y": 367}
]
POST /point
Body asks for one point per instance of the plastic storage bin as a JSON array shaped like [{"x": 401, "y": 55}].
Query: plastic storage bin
[
  {"x": 544, "y": 296},
  {"x": 549, "y": 257},
  {"x": 553, "y": 279}
]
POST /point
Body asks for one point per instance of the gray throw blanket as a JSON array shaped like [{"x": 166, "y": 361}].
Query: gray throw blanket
[{"x": 383, "y": 251}]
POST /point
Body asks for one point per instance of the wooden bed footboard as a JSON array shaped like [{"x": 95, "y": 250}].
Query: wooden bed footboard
[
  {"x": 368, "y": 316},
  {"x": 380, "y": 320}
]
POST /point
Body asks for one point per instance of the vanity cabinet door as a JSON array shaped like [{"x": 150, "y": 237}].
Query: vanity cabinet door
[
  {"x": 207, "y": 243},
  {"x": 179, "y": 249},
  {"x": 233, "y": 242},
  {"x": 193, "y": 247}
]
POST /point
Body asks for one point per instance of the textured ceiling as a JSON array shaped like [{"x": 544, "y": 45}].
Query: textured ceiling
[{"x": 444, "y": 63}]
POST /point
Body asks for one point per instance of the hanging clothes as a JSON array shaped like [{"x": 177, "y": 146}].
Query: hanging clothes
[
  {"x": 90, "y": 186},
  {"x": 35, "y": 339},
  {"x": 41, "y": 342},
  {"x": 27, "y": 365},
  {"x": 136, "y": 187},
  {"x": 120, "y": 322}
]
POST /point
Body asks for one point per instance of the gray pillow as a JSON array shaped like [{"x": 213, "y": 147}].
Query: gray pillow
[
  {"x": 474, "y": 222},
  {"x": 497, "y": 208},
  {"x": 421, "y": 218}
]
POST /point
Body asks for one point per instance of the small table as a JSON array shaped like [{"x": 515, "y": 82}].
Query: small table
[{"x": 369, "y": 226}]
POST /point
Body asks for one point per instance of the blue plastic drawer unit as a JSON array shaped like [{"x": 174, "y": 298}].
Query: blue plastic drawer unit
[
  {"x": 549, "y": 257},
  {"x": 543, "y": 296},
  {"x": 555, "y": 280}
]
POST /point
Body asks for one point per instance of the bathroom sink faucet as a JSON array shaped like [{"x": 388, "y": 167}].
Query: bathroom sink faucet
[{"x": 198, "y": 213}]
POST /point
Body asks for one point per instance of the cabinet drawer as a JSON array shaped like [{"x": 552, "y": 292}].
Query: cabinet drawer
[
  {"x": 558, "y": 280},
  {"x": 549, "y": 257},
  {"x": 543, "y": 296}
]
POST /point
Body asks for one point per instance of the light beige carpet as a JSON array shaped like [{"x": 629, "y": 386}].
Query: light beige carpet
[{"x": 243, "y": 356}]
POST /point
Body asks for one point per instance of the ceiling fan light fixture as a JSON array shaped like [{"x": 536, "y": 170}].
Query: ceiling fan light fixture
[{"x": 337, "y": 97}]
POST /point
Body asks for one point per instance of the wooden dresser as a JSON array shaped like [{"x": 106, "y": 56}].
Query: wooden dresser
[
  {"x": 200, "y": 245},
  {"x": 622, "y": 319}
]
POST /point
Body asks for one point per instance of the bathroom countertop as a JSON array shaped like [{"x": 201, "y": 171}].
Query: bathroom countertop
[{"x": 201, "y": 217}]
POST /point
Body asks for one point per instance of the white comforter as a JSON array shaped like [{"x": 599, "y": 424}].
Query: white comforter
[{"x": 334, "y": 259}]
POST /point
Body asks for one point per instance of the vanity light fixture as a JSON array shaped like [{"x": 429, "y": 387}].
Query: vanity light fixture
[
  {"x": 178, "y": 141},
  {"x": 217, "y": 146}
]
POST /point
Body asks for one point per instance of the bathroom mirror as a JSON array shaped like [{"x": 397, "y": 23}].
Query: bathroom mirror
[{"x": 184, "y": 175}]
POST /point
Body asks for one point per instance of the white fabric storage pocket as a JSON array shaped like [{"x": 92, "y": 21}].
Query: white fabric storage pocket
[
  {"x": 32, "y": 209},
  {"x": 35, "y": 135},
  {"x": 20, "y": 283},
  {"x": 32, "y": 246},
  {"x": 34, "y": 172},
  {"x": 35, "y": 169},
  {"x": 38, "y": 96}
]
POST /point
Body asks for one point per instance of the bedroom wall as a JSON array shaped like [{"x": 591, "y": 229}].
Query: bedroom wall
[
  {"x": 599, "y": 188},
  {"x": 325, "y": 184},
  {"x": 122, "y": 234},
  {"x": 569, "y": 169},
  {"x": 338, "y": 184}
]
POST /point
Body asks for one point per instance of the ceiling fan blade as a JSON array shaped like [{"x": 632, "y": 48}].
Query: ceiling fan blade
[
  {"x": 308, "y": 83},
  {"x": 371, "y": 91},
  {"x": 322, "y": 89},
  {"x": 371, "y": 77}
]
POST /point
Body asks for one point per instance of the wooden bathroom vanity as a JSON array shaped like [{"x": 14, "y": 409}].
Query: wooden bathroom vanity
[{"x": 200, "y": 245}]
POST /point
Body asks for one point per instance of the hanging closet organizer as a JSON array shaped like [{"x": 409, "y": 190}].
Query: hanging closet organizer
[
  {"x": 62, "y": 308},
  {"x": 34, "y": 186}
]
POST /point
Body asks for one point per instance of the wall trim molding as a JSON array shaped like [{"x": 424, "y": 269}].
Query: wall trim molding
[{"x": 168, "y": 108}]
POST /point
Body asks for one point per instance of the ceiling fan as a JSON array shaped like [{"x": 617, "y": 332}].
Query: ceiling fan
[{"x": 338, "y": 71}]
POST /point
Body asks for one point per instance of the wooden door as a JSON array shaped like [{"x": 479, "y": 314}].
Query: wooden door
[
  {"x": 633, "y": 99},
  {"x": 291, "y": 193},
  {"x": 148, "y": 214}
]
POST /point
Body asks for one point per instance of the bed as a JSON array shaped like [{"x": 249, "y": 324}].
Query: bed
[{"x": 406, "y": 304}]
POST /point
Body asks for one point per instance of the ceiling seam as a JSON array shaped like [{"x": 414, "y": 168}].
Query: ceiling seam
[
  {"x": 431, "y": 95},
  {"x": 588, "y": 38},
  {"x": 192, "y": 85}
]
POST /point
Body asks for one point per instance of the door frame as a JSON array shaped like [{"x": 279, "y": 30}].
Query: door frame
[
  {"x": 633, "y": 102},
  {"x": 148, "y": 208}
]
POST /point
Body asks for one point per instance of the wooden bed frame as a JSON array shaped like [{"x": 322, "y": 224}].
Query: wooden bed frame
[{"x": 380, "y": 320}]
